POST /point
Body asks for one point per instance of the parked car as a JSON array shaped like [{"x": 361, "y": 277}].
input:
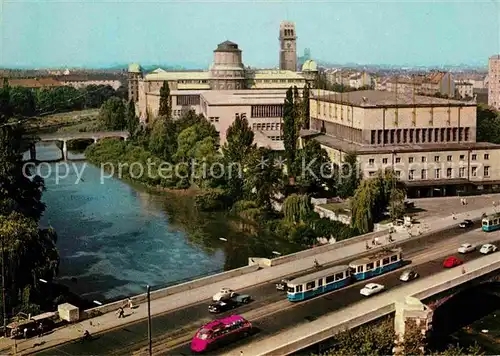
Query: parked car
[
  {"x": 371, "y": 288},
  {"x": 281, "y": 286},
  {"x": 465, "y": 224},
  {"x": 231, "y": 303},
  {"x": 408, "y": 275},
  {"x": 487, "y": 248},
  {"x": 223, "y": 294},
  {"x": 466, "y": 248},
  {"x": 451, "y": 262}
]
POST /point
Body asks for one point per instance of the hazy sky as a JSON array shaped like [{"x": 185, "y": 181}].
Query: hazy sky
[{"x": 40, "y": 33}]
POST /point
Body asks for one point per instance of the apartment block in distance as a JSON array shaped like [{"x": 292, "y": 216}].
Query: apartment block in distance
[
  {"x": 494, "y": 81},
  {"x": 429, "y": 142}
]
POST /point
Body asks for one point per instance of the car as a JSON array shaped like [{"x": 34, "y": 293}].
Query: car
[
  {"x": 451, "y": 262},
  {"x": 408, "y": 275},
  {"x": 228, "y": 304},
  {"x": 466, "y": 223},
  {"x": 371, "y": 288},
  {"x": 223, "y": 294},
  {"x": 465, "y": 248},
  {"x": 487, "y": 248},
  {"x": 282, "y": 285}
]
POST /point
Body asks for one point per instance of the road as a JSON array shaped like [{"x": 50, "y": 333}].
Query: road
[{"x": 177, "y": 327}]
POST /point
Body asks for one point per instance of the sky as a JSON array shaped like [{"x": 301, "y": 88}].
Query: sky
[{"x": 90, "y": 33}]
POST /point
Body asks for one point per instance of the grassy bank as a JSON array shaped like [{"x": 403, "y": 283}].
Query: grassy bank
[{"x": 74, "y": 121}]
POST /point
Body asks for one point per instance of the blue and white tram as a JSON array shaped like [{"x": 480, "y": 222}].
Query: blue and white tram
[
  {"x": 376, "y": 264},
  {"x": 491, "y": 222},
  {"x": 320, "y": 282}
]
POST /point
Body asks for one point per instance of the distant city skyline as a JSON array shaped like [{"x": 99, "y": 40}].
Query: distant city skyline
[{"x": 83, "y": 33}]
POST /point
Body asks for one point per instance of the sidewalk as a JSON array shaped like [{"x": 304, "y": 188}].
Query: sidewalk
[{"x": 179, "y": 300}]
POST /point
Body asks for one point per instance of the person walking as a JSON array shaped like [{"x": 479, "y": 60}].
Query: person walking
[
  {"x": 130, "y": 304},
  {"x": 121, "y": 313}
]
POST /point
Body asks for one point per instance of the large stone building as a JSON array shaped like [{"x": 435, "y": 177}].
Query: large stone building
[
  {"x": 429, "y": 142},
  {"x": 429, "y": 84},
  {"x": 288, "y": 46},
  {"x": 494, "y": 82}
]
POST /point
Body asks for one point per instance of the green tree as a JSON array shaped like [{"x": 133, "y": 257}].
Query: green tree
[
  {"x": 362, "y": 206},
  {"x": 297, "y": 208},
  {"x": 289, "y": 131},
  {"x": 350, "y": 176},
  {"x": 112, "y": 114},
  {"x": 22, "y": 102},
  {"x": 305, "y": 107},
  {"x": 5, "y": 109},
  {"x": 488, "y": 125},
  {"x": 132, "y": 119},
  {"x": 396, "y": 204},
  {"x": 163, "y": 138},
  {"x": 165, "y": 106}
]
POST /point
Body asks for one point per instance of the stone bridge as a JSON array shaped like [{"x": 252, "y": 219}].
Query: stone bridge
[{"x": 66, "y": 137}]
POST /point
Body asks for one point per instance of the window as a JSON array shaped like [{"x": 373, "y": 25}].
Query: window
[
  {"x": 486, "y": 171},
  {"x": 398, "y": 174},
  {"x": 371, "y": 174},
  {"x": 299, "y": 288},
  {"x": 330, "y": 279},
  {"x": 310, "y": 285},
  {"x": 371, "y": 162},
  {"x": 339, "y": 276},
  {"x": 369, "y": 266},
  {"x": 437, "y": 173},
  {"x": 448, "y": 172},
  {"x": 410, "y": 174},
  {"x": 424, "y": 158},
  {"x": 385, "y": 261},
  {"x": 424, "y": 174},
  {"x": 462, "y": 157},
  {"x": 410, "y": 160},
  {"x": 384, "y": 160},
  {"x": 474, "y": 171},
  {"x": 398, "y": 159},
  {"x": 436, "y": 158},
  {"x": 473, "y": 157},
  {"x": 320, "y": 282},
  {"x": 486, "y": 156},
  {"x": 394, "y": 258},
  {"x": 461, "y": 172},
  {"x": 449, "y": 158},
  {"x": 359, "y": 269}
]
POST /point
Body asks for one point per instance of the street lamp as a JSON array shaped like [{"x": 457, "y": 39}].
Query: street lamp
[{"x": 149, "y": 320}]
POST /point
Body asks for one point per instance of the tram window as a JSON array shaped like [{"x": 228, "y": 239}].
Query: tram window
[
  {"x": 385, "y": 261},
  {"x": 377, "y": 264},
  {"x": 330, "y": 279},
  {"x": 339, "y": 276},
  {"x": 359, "y": 269},
  {"x": 495, "y": 222},
  {"x": 320, "y": 282},
  {"x": 369, "y": 266},
  {"x": 394, "y": 258},
  {"x": 299, "y": 288},
  {"x": 310, "y": 285}
]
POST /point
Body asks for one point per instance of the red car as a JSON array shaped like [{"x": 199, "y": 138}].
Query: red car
[{"x": 451, "y": 262}]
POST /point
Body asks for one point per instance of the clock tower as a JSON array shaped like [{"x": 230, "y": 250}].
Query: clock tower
[{"x": 288, "y": 46}]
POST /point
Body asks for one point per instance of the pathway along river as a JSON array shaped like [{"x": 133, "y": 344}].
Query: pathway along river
[{"x": 114, "y": 239}]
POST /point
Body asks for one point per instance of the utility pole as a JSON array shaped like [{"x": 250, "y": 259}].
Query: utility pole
[
  {"x": 149, "y": 321},
  {"x": 3, "y": 288}
]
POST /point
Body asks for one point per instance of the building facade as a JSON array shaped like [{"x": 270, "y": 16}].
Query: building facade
[
  {"x": 429, "y": 84},
  {"x": 464, "y": 90},
  {"x": 429, "y": 142},
  {"x": 494, "y": 81},
  {"x": 288, "y": 46}
]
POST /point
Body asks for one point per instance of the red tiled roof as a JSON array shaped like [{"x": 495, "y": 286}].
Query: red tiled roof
[{"x": 33, "y": 83}]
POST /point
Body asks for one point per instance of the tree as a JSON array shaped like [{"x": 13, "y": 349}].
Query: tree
[
  {"x": 132, "y": 120},
  {"x": 5, "y": 109},
  {"x": 315, "y": 173},
  {"x": 289, "y": 131},
  {"x": 350, "y": 176},
  {"x": 112, "y": 114},
  {"x": 22, "y": 101},
  {"x": 396, "y": 204},
  {"x": 297, "y": 208},
  {"x": 488, "y": 125},
  {"x": 362, "y": 205},
  {"x": 305, "y": 108},
  {"x": 165, "y": 106},
  {"x": 163, "y": 138}
]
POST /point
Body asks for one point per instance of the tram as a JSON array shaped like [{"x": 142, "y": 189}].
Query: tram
[
  {"x": 376, "y": 264},
  {"x": 491, "y": 222},
  {"x": 313, "y": 284}
]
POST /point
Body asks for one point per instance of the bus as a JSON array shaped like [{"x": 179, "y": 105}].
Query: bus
[
  {"x": 316, "y": 283},
  {"x": 376, "y": 264},
  {"x": 491, "y": 222},
  {"x": 220, "y": 332}
]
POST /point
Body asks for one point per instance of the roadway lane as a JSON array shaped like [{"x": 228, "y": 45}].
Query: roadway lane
[{"x": 176, "y": 323}]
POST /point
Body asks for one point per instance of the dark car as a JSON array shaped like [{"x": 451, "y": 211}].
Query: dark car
[
  {"x": 281, "y": 286},
  {"x": 466, "y": 223},
  {"x": 225, "y": 305}
]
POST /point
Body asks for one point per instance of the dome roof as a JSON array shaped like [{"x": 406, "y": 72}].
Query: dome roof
[
  {"x": 309, "y": 66},
  {"x": 134, "y": 68},
  {"x": 227, "y": 46}
]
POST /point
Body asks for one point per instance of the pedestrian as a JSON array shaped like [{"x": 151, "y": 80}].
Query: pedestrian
[
  {"x": 130, "y": 304},
  {"x": 453, "y": 215},
  {"x": 121, "y": 313},
  {"x": 25, "y": 333},
  {"x": 40, "y": 330},
  {"x": 367, "y": 246},
  {"x": 463, "y": 270},
  {"x": 373, "y": 242},
  {"x": 376, "y": 240}
]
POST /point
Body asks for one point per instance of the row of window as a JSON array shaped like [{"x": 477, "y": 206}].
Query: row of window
[
  {"x": 213, "y": 119},
  {"x": 449, "y": 158},
  {"x": 276, "y": 138},
  {"x": 268, "y": 126},
  {"x": 430, "y": 135},
  {"x": 267, "y": 111},
  {"x": 438, "y": 175},
  {"x": 188, "y": 100},
  {"x": 203, "y": 81},
  {"x": 176, "y": 113}
]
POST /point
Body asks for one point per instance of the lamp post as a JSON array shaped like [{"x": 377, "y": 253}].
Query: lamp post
[{"x": 149, "y": 320}]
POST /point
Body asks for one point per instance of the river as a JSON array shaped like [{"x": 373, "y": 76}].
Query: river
[{"x": 114, "y": 239}]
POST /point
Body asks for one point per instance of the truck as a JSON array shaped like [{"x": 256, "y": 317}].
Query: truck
[{"x": 235, "y": 301}]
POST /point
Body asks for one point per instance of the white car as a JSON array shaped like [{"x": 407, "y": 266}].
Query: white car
[
  {"x": 487, "y": 248},
  {"x": 371, "y": 288},
  {"x": 408, "y": 275},
  {"x": 223, "y": 294},
  {"x": 465, "y": 248}
]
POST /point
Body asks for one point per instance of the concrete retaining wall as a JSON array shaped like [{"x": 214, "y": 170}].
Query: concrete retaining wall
[
  {"x": 141, "y": 298},
  {"x": 325, "y": 213}
]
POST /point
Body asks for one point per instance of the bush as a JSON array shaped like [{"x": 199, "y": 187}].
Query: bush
[{"x": 211, "y": 200}]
